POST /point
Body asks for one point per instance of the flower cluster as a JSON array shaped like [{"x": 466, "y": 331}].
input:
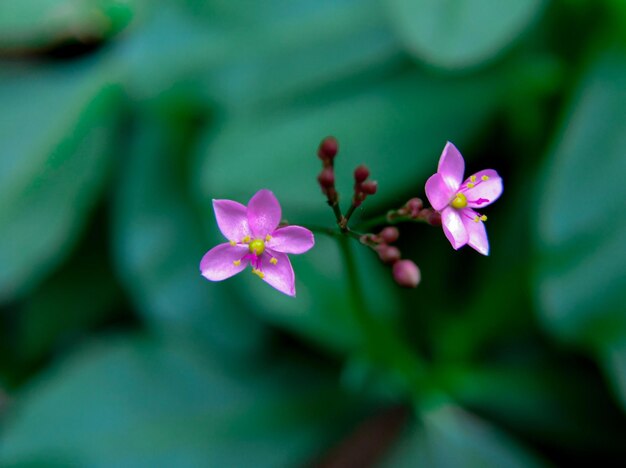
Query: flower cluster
[{"x": 256, "y": 237}]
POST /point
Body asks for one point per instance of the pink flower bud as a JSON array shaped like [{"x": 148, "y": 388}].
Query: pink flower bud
[
  {"x": 370, "y": 187},
  {"x": 326, "y": 178},
  {"x": 434, "y": 219},
  {"x": 361, "y": 173},
  {"x": 406, "y": 273},
  {"x": 328, "y": 148},
  {"x": 414, "y": 205},
  {"x": 388, "y": 253},
  {"x": 389, "y": 235}
]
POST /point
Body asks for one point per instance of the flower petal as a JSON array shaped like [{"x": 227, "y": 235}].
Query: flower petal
[
  {"x": 219, "y": 262},
  {"x": 451, "y": 166},
  {"x": 263, "y": 213},
  {"x": 477, "y": 235},
  {"x": 291, "y": 239},
  {"x": 280, "y": 274},
  {"x": 454, "y": 228},
  {"x": 484, "y": 192},
  {"x": 438, "y": 192},
  {"x": 232, "y": 219}
]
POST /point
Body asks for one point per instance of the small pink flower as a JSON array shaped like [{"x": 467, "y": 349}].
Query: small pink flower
[
  {"x": 456, "y": 200},
  {"x": 255, "y": 239}
]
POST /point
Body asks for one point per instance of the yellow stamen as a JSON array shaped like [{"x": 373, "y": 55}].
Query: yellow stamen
[
  {"x": 259, "y": 273},
  {"x": 273, "y": 260},
  {"x": 237, "y": 262},
  {"x": 485, "y": 177},
  {"x": 246, "y": 239},
  {"x": 233, "y": 243},
  {"x": 257, "y": 247},
  {"x": 459, "y": 201},
  {"x": 470, "y": 185},
  {"x": 268, "y": 238},
  {"x": 483, "y": 218},
  {"x": 476, "y": 219},
  {"x": 473, "y": 178}
]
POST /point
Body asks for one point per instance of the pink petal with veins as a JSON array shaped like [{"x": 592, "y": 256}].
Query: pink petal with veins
[
  {"x": 485, "y": 192},
  {"x": 477, "y": 234},
  {"x": 451, "y": 166},
  {"x": 291, "y": 240},
  {"x": 280, "y": 275},
  {"x": 454, "y": 228},
  {"x": 438, "y": 192},
  {"x": 232, "y": 219},
  {"x": 218, "y": 263},
  {"x": 264, "y": 213}
]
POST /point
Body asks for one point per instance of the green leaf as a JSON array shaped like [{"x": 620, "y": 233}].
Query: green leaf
[
  {"x": 57, "y": 127},
  {"x": 447, "y": 436},
  {"x": 581, "y": 286},
  {"x": 614, "y": 360},
  {"x": 461, "y": 33},
  {"x": 544, "y": 399},
  {"x": 248, "y": 57},
  {"x": 135, "y": 402},
  {"x": 158, "y": 241},
  {"x": 306, "y": 47},
  {"x": 82, "y": 294},
  {"x": 38, "y": 24},
  {"x": 581, "y": 227}
]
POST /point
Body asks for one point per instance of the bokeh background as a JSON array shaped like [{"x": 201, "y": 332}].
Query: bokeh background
[{"x": 120, "y": 120}]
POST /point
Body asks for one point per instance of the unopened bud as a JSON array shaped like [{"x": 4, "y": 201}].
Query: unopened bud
[
  {"x": 361, "y": 173},
  {"x": 370, "y": 187},
  {"x": 406, "y": 273},
  {"x": 389, "y": 235},
  {"x": 414, "y": 205},
  {"x": 434, "y": 219},
  {"x": 388, "y": 253},
  {"x": 328, "y": 148},
  {"x": 326, "y": 177}
]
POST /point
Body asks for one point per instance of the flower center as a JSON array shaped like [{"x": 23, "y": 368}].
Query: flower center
[
  {"x": 459, "y": 202},
  {"x": 257, "y": 247}
]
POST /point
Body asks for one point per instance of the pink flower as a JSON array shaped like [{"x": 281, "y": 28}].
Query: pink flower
[
  {"x": 255, "y": 239},
  {"x": 456, "y": 200}
]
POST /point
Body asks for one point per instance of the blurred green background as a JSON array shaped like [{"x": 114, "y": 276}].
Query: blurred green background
[{"x": 120, "y": 120}]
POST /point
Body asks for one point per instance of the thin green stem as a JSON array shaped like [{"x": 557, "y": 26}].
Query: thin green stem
[
  {"x": 350, "y": 212},
  {"x": 356, "y": 293},
  {"x": 381, "y": 341},
  {"x": 337, "y": 212}
]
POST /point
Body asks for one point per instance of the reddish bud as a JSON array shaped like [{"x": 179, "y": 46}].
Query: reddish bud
[
  {"x": 326, "y": 177},
  {"x": 328, "y": 148},
  {"x": 370, "y": 187},
  {"x": 414, "y": 205},
  {"x": 388, "y": 253},
  {"x": 361, "y": 173},
  {"x": 434, "y": 219},
  {"x": 406, "y": 273},
  {"x": 389, "y": 235}
]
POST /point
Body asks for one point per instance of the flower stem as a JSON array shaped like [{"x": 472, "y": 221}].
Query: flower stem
[
  {"x": 337, "y": 211},
  {"x": 381, "y": 341},
  {"x": 351, "y": 210}
]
